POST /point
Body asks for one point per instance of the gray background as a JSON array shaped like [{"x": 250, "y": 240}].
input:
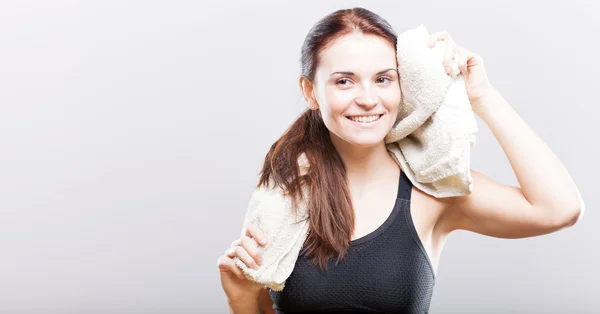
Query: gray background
[{"x": 132, "y": 132}]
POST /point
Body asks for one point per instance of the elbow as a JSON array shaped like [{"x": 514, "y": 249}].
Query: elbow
[
  {"x": 568, "y": 212},
  {"x": 573, "y": 217},
  {"x": 568, "y": 216},
  {"x": 576, "y": 213}
]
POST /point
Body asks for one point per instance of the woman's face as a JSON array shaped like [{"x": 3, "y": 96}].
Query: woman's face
[{"x": 357, "y": 89}]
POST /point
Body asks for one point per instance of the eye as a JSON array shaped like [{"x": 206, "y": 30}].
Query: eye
[
  {"x": 342, "y": 81},
  {"x": 385, "y": 78}
]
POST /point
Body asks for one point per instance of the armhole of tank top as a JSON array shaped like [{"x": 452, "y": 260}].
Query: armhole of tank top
[
  {"x": 406, "y": 192},
  {"x": 404, "y": 187}
]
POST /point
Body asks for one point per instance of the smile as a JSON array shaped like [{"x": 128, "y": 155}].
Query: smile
[{"x": 365, "y": 119}]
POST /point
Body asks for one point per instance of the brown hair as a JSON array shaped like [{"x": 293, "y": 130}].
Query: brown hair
[{"x": 331, "y": 216}]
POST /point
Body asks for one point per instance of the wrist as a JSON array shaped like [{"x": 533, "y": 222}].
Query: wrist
[
  {"x": 488, "y": 100},
  {"x": 244, "y": 306},
  {"x": 245, "y": 298}
]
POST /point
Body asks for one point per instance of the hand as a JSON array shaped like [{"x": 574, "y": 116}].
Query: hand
[
  {"x": 470, "y": 65},
  {"x": 233, "y": 281}
]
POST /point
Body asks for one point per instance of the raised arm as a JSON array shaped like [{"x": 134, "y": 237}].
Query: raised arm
[{"x": 546, "y": 200}]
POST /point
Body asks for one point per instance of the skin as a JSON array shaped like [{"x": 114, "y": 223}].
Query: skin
[{"x": 545, "y": 201}]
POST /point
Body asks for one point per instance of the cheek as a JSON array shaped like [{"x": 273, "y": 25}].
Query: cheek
[
  {"x": 337, "y": 101},
  {"x": 392, "y": 99}
]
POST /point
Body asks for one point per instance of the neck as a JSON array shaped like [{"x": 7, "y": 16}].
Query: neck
[{"x": 364, "y": 164}]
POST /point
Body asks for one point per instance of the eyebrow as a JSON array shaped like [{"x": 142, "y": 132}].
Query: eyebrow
[{"x": 352, "y": 73}]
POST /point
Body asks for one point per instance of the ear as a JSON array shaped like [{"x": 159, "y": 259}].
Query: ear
[{"x": 306, "y": 88}]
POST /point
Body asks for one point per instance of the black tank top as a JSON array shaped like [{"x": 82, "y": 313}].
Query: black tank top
[{"x": 386, "y": 271}]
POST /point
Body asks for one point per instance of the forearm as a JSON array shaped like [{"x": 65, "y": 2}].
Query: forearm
[
  {"x": 247, "y": 306},
  {"x": 543, "y": 179}
]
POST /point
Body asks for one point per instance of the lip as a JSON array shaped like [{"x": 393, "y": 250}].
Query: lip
[
  {"x": 362, "y": 115},
  {"x": 365, "y": 124}
]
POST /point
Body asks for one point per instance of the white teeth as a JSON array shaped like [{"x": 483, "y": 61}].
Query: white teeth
[{"x": 364, "y": 119}]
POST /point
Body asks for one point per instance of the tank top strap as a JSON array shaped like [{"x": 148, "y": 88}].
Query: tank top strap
[{"x": 404, "y": 187}]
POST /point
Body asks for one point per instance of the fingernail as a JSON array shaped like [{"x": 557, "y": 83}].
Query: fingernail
[{"x": 254, "y": 266}]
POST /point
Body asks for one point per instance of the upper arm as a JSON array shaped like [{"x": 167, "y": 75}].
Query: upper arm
[{"x": 499, "y": 210}]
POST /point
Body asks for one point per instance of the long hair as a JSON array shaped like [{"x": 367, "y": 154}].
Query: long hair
[{"x": 330, "y": 211}]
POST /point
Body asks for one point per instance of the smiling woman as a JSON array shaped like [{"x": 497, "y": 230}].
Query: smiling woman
[{"x": 374, "y": 240}]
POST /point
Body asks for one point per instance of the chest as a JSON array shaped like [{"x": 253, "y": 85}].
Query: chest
[
  {"x": 371, "y": 210},
  {"x": 386, "y": 273}
]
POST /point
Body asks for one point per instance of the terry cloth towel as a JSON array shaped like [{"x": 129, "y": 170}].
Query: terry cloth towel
[
  {"x": 435, "y": 129},
  {"x": 272, "y": 212},
  {"x": 430, "y": 142}
]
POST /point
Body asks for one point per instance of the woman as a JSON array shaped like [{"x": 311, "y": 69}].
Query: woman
[{"x": 375, "y": 241}]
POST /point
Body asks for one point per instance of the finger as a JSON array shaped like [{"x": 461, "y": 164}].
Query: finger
[
  {"x": 230, "y": 252},
  {"x": 251, "y": 248},
  {"x": 472, "y": 59},
  {"x": 236, "y": 242},
  {"x": 243, "y": 255},
  {"x": 462, "y": 62},
  {"x": 449, "y": 59},
  {"x": 432, "y": 41},
  {"x": 448, "y": 49},
  {"x": 227, "y": 264},
  {"x": 476, "y": 60},
  {"x": 254, "y": 232},
  {"x": 435, "y": 37},
  {"x": 448, "y": 53}
]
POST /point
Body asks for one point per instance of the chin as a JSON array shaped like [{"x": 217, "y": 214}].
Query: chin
[{"x": 370, "y": 141}]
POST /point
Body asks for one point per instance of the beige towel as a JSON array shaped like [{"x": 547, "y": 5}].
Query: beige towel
[
  {"x": 286, "y": 232},
  {"x": 436, "y": 126}
]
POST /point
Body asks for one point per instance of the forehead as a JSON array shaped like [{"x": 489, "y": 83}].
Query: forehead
[{"x": 357, "y": 51}]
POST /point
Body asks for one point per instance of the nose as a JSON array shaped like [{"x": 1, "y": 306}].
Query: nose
[{"x": 367, "y": 99}]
